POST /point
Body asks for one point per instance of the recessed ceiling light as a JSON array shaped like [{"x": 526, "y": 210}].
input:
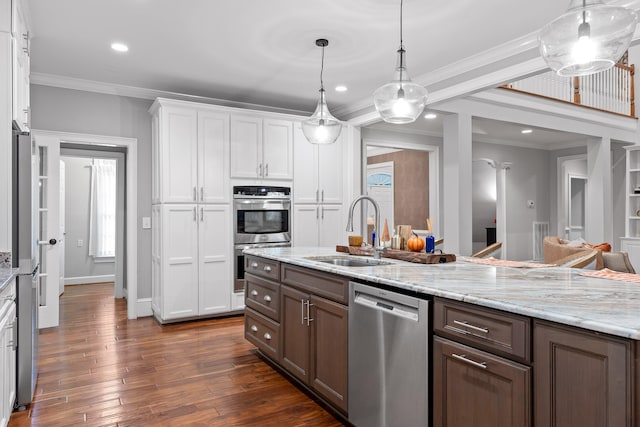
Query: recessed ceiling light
[
  {"x": 341, "y": 88},
  {"x": 430, "y": 116},
  {"x": 119, "y": 47},
  {"x": 525, "y": 131}
]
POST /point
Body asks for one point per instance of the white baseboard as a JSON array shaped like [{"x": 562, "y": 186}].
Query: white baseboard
[
  {"x": 143, "y": 307},
  {"x": 83, "y": 280}
]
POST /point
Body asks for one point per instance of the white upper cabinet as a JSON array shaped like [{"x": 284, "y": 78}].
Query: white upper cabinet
[
  {"x": 261, "y": 148},
  {"x": 277, "y": 149},
  {"x": 213, "y": 157},
  {"x": 190, "y": 154},
  {"x": 317, "y": 170},
  {"x": 20, "y": 66},
  {"x": 246, "y": 147}
]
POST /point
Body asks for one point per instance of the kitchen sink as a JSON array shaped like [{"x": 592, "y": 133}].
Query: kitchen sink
[{"x": 345, "y": 261}]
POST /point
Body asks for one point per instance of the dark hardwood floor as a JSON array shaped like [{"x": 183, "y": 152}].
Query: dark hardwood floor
[{"x": 100, "y": 369}]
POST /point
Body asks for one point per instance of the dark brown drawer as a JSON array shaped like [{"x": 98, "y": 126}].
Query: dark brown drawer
[
  {"x": 327, "y": 285},
  {"x": 262, "y": 267},
  {"x": 263, "y": 296},
  {"x": 493, "y": 330},
  {"x": 263, "y": 333}
]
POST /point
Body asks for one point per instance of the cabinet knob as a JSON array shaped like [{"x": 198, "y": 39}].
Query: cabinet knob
[
  {"x": 254, "y": 328},
  {"x": 267, "y": 336},
  {"x": 254, "y": 265},
  {"x": 267, "y": 269},
  {"x": 254, "y": 293},
  {"x": 267, "y": 298}
]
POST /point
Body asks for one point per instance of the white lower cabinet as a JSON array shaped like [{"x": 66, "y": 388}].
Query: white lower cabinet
[
  {"x": 192, "y": 261},
  {"x": 318, "y": 225},
  {"x": 8, "y": 334}
]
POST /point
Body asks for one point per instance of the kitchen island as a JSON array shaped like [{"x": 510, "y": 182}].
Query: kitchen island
[{"x": 572, "y": 342}]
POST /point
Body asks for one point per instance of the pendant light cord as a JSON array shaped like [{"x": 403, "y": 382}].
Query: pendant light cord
[
  {"x": 401, "y": 24},
  {"x": 322, "y": 69}
]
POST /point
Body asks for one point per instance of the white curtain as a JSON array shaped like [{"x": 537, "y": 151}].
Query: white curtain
[{"x": 102, "y": 227}]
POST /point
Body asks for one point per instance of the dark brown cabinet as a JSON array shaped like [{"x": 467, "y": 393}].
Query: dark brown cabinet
[
  {"x": 581, "y": 378},
  {"x": 478, "y": 376},
  {"x": 314, "y": 343},
  {"x": 298, "y": 317},
  {"x": 475, "y": 388}
]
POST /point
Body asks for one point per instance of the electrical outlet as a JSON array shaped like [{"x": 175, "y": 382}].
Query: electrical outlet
[{"x": 80, "y": 243}]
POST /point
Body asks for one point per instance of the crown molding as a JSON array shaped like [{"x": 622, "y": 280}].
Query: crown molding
[{"x": 54, "y": 80}]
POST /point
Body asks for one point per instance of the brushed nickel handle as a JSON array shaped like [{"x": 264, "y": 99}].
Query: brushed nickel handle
[
  {"x": 470, "y": 326},
  {"x": 254, "y": 265},
  {"x": 254, "y": 328},
  {"x": 254, "y": 293},
  {"x": 267, "y": 336},
  {"x": 317, "y": 212},
  {"x": 266, "y": 169},
  {"x": 260, "y": 168},
  {"x": 201, "y": 214},
  {"x": 322, "y": 197},
  {"x": 302, "y": 311},
  {"x": 317, "y": 195},
  {"x": 195, "y": 194},
  {"x": 267, "y": 298},
  {"x": 267, "y": 268},
  {"x": 195, "y": 214},
  {"x": 309, "y": 305},
  {"x": 463, "y": 358},
  {"x": 202, "y": 193},
  {"x": 322, "y": 208}
]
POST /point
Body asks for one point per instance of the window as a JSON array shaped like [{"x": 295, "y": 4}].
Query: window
[{"x": 102, "y": 231}]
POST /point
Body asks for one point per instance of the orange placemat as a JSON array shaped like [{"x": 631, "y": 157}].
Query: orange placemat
[
  {"x": 605, "y": 273},
  {"x": 507, "y": 263}
]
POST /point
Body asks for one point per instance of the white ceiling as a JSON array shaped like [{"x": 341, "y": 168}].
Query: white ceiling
[{"x": 263, "y": 52}]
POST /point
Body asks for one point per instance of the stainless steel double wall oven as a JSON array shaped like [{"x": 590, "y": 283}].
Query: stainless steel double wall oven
[{"x": 261, "y": 218}]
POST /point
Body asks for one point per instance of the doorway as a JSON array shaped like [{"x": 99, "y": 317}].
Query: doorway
[
  {"x": 48, "y": 143},
  {"x": 92, "y": 215}
]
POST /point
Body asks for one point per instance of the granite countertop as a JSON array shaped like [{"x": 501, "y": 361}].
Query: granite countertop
[
  {"x": 6, "y": 275},
  {"x": 556, "y": 294}
]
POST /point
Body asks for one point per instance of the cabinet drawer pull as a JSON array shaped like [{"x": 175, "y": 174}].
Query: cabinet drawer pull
[
  {"x": 195, "y": 194},
  {"x": 254, "y": 293},
  {"x": 254, "y": 265},
  {"x": 463, "y": 357},
  {"x": 267, "y": 268},
  {"x": 267, "y": 336},
  {"x": 317, "y": 195},
  {"x": 470, "y": 326},
  {"x": 266, "y": 169},
  {"x": 267, "y": 298},
  {"x": 322, "y": 197},
  {"x": 202, "y": 193},
  {"x": 254, "y": 328}
]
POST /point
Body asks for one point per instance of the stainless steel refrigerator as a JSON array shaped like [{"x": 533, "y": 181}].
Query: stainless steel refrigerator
[{"x": 25, "y": 256}]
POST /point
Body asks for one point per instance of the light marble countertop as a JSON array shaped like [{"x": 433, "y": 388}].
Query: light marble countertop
[
  {"x": 556, "y": 294},
  {"x": 6, "y": 275}
]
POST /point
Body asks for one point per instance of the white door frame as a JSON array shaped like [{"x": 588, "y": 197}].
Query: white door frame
[
  {"x": 562, "y": 187},
  {"x": 434, "y": 174},
  {"x": 131, "y": 184}
]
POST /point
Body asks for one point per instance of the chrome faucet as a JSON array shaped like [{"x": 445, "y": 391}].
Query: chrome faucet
[{"x": 378, "y": 249}]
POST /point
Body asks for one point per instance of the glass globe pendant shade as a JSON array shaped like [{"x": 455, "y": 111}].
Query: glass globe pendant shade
[
  {"x": 400, "y": 101},
  {"x": 321, "y": 127},
  {"x": 588, "y": 38}
]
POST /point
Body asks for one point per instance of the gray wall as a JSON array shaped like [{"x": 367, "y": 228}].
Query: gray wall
[
  {"x": 78, "y": 263},
  {"x": 66, "y": 110},
  {"x": 528, "y": 179}
]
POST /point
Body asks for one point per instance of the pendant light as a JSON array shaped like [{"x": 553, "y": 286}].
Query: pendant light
[
  {"x": 321, "y": 127},
  {"x": 589, "y": 37},
  {"x": 400, "y": 101}
]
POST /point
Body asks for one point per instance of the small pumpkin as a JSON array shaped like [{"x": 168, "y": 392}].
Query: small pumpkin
[{"x": 415, "y": 243}]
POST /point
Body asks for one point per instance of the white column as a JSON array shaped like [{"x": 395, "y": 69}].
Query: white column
[
  {"x": 501, "y": 207},
  {"x": 599, "y": 209},
  {"x": 457, "y": 184}
]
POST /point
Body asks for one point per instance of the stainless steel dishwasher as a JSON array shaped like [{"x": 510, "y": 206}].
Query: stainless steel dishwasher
[{"x": 388, "y": 358}]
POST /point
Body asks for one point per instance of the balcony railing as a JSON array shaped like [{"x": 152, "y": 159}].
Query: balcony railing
[{"x": 611, "y": 90}]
